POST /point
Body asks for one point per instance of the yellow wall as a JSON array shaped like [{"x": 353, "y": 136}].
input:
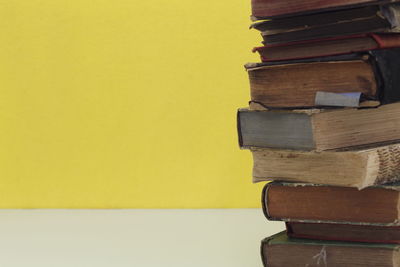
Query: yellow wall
[{"x": 124, "y": 104}]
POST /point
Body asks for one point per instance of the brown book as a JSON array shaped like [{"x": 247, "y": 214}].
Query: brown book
[
  {"x": 295, "y": 202},
  {"x": 358, "y": 167},
  {"x": 327, "y": 46},
  {"x": 281, "y": 251},
  {"x": 344, "y": 232},
  {"x": 318, "y": 130},
  {"x": 296, "y": 83},
  {"x": 274, "y": 8}
]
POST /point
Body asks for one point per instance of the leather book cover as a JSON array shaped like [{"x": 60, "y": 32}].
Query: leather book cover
[
  {"x": 266, "y": 9},
  {"x": 392, "y": 189},
  {"x": 280, "y": 250},
  {"x": 385, "y": 63},
  {"x": 367, "y": 19},
  {"x": 327, "y": 46}
]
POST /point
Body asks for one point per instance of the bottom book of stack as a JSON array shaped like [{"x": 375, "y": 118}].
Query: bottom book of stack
[
  {"x": 332, "y": 226},
  {"x": 281, "y": 251}
]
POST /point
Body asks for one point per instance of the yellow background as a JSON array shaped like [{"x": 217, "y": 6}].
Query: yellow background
[{"x": 124, "y": 104}]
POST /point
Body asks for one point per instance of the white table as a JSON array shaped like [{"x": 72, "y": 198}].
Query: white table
[{"x": 148, "y": 238}]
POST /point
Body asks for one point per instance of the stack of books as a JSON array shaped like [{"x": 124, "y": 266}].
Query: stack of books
[{"x": 324, "y": 125}]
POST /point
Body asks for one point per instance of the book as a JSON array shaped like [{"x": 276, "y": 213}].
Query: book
[
  {"x": 300, "y": 202},
  {"x": 296, "y": 83},
  {"x": 358, "y": 167},
  {"x": 344, "y": 232},
  {"x": 284, "y": 8},
  {"x": 378, "y": 19},
  {"x": 318, "y": 129},
  {"x": 281, "y": 251},
  {"x": 327, "y": 46}
]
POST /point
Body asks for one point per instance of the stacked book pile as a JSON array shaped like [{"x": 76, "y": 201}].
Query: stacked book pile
[{"x": 324, "y": 124}]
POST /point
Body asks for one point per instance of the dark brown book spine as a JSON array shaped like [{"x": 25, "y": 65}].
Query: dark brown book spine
[
  {"x": 340, "y": 232},
  {"x": 281, "y": 8}
]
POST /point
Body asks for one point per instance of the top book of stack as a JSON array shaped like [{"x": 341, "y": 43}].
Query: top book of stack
[
  {"x": 383, "y": 18},
  {"x": 266, "y": 9}
]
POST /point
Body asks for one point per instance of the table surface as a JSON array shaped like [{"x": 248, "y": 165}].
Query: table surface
[{"x": 139, "y": 238}]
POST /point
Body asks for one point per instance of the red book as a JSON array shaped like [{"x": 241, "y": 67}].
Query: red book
[
  {"x": 344, "y": 232},
  {"x": 327, "y": 47},
  {"x": 279, "y": 8}
]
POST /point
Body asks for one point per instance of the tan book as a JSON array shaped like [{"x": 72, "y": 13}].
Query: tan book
[
  {"x": 359, "y": 168},
  {"x": 318, "y": 129}
]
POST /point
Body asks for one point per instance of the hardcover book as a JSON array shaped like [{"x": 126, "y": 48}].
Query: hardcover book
[
  {"x": 378, "y": 19},
  {"x": 327, "y": 46},
  {"x": 316, "y": 129},
  {"x": 295, "y": 83},
  {"x": 281, "y": 251},
  {"x": 344, "y": 232},
  {"x": 280, "y": 8},
  {"x": 297, "y": 202},
  {"x": 358, "y": 167}
]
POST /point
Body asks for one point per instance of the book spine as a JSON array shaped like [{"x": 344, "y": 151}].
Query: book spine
[
  {"x": 264, "y": 202},
  {"x": 239, "y": 129},
  {"x": 387, "y": 69}
]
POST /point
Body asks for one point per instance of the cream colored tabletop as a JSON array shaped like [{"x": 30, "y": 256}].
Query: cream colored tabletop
[{"x": 139, "y": 238}]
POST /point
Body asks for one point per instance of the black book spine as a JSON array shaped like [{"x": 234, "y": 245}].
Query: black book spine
[{"x": 386, "y": 64}]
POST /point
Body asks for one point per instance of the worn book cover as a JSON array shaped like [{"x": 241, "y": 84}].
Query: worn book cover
[
  {"x": 344, "y": 232},
  {"x": 318, "y": 129},
  {"x": 284, "y": 8},
  {"x": 312, "y": 203},
  {"x": 281, "y": 251},
  {"x": 296, "y": 83},
  {"x": 327, "y": 46},
  {"x": 377, "y": 19},
  {"x": 357, "y": 167}
]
